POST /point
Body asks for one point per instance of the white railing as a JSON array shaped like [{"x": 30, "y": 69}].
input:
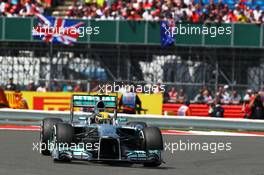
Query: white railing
[{"x": 12, "y": 116}]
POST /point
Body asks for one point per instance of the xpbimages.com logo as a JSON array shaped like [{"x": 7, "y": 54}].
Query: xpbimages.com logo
[
  {"x": 212, "y": 31},
  {"x": 38, "y": 146},
  {"x": 81, "y": 31},
  {"x": 187, "y": 145},
  {"x": 121, "y": 87}
]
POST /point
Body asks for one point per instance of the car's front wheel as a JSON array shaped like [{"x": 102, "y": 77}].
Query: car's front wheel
[
  {"x": 63, "y": 137},
  {"x": 152, "y": 138},
  {"x": 153, "y": 141}
]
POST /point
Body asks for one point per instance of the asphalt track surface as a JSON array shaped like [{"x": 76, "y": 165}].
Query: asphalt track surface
[{"x": 245, "y": 158}]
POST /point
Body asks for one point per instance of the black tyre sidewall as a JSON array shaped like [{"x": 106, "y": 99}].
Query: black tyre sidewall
[
  {"x": 64, "y": 133},
  {"x": 46, "y": 133},
  {"x": 152, "y": 139}
]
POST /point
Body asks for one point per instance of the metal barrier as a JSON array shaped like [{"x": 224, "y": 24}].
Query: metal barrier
[{"x": 33, "y": 117}]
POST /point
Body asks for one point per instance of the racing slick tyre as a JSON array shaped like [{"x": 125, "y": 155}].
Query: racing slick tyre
[
  {"x": 46, "y": 133},
  {"x": 140, "y": 125},
  {"x": 64, "y": 133},
  {"x": 152, "y": 139}
]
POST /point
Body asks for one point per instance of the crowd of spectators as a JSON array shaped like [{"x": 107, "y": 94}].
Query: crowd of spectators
[
  {"x": 243, "y": 11},
  {"x": 63, "y": 87},
  {"x": 224, "y": 95},
  {"x": 23, "y": 8},
  {"x": 55, "y": 86},
  {"x": 252, "y": 101},
  {"x": 174, "y": 96}
]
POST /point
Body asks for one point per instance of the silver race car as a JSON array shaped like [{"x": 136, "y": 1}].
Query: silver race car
[{"x": 99, "y": 136}]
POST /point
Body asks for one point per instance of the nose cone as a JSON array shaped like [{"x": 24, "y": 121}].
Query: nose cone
[{"x": 106, "y": 130}]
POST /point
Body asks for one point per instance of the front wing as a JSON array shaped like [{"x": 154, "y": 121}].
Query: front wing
[{"x": 132, "y": 156}]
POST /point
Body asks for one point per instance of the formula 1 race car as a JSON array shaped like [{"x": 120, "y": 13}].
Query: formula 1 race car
[{"x": 99, "y": 137}]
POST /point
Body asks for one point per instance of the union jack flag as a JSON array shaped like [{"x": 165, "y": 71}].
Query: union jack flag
[{"x": 51, "y": 29}]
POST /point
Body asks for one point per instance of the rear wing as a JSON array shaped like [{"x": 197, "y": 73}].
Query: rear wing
[{"x": 90, "y": 101}]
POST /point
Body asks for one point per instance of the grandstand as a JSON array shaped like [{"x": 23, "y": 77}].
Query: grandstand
[
  {"x": 249, "y": 11},
  {"x": 187, "y": 10}
]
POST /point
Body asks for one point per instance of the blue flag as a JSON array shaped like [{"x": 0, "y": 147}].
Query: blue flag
[{"x": 166, "y": 35}]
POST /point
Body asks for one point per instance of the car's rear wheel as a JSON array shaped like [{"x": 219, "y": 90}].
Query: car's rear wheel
[{"x": 46, "y": 133}]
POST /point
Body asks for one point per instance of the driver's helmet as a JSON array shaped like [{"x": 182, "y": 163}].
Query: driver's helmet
[
  {"x": 100, "y": 106},
  {"x": 103, "y": 118}
]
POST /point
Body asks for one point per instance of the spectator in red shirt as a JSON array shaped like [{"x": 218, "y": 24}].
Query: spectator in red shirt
[
  {"x": 173, "y": 95},
  {"x": 242, "y": 5},
  {"x": 195, "y": 17},
  {"x": 77, "y": 87},
  {"x": 147, "y": 5},
  {"x": 246, "y": 108}
]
